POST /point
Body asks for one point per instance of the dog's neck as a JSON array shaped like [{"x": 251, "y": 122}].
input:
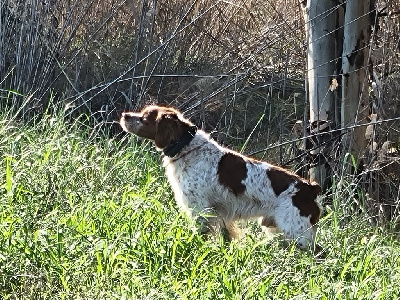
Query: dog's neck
[{"x": 184, "y": 140}]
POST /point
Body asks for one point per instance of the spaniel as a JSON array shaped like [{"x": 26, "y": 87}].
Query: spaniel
[{"x": 218, "y": 186}]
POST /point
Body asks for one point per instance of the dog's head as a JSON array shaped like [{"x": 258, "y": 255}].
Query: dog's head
[{"x": 163, "y": 125}]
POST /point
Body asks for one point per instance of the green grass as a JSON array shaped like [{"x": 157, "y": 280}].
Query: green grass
[{"x": 85, "y": 217}]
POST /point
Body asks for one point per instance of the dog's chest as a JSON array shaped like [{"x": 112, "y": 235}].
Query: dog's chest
[{"x": 194, "y": 171}]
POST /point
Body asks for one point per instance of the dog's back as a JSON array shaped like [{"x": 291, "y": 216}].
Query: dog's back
[{"x": 223, "y": 185}]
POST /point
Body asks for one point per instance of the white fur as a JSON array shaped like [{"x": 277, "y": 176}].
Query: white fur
[
  {"x": 194, "y": 180},
  {"x": 219, "y": 200}
]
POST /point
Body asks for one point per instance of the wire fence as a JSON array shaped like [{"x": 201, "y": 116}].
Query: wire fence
[{"x": 237, "y": 69}]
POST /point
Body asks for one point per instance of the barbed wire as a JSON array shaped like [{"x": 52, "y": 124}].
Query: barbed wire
[
  {"x": 103, "y": 86},
  {"x": 348, "y": 128},
  {"x": 130, "y": 69}
]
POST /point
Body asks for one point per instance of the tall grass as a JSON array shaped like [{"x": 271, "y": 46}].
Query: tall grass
[{"x": 86, "y": 217}]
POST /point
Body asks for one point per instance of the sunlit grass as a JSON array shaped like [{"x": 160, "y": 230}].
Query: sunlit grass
[{"x": 94, "y": 218}]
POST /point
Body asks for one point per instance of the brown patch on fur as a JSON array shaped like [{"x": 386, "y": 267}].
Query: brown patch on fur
[
  {"x": 148, "y": 119},
  {"x": 164, "y": 125},
  {"x": 280, "y": 179},
  {"x": 231, "y": 171},
  {"x": 305, "y": 200},
  {"x": 305, "y": 197},
  {"x": 169, "y": 129}
]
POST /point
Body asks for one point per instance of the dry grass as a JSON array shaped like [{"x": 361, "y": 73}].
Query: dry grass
[{"x": 234, "y": 67}]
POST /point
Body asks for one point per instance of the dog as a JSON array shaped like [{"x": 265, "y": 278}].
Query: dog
[{"x": 218, "y": 186}]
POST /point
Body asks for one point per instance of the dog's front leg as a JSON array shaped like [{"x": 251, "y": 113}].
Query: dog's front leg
[{"x": 211, "y": 224}]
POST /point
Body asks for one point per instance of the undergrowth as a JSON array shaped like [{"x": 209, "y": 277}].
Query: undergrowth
[{"x": 83, "y": 217}]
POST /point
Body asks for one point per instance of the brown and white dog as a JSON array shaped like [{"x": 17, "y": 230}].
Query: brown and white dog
[{"x": 219, "y": 186}]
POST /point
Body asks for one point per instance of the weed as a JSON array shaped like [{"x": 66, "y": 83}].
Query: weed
[{"x": 94, "y": 218}]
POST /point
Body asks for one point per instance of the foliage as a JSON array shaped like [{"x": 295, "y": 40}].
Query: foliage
[
  {"x": 219, "y": 62},
  {"x": 87, "y": 217},
  {"x": 82, "y": 216}
]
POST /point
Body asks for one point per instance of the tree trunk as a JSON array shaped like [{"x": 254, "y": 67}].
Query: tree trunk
[
  {"x": 355, "y": 57},
  {"x": 320, "y": 24}
]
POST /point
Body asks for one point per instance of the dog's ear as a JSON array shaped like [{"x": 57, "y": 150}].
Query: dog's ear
[
  {"x": 168, "y": 129},
  {"x": 316, "y": 188}
]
